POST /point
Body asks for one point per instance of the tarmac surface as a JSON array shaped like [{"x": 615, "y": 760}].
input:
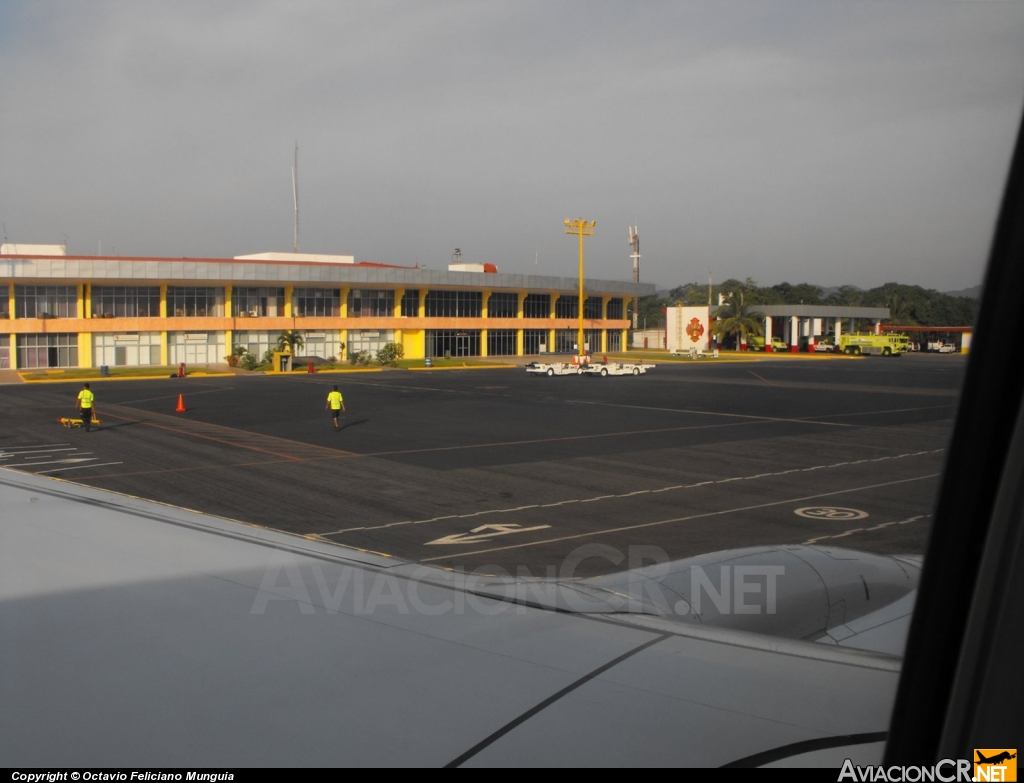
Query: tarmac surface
[{"x": 498, "y": 471}]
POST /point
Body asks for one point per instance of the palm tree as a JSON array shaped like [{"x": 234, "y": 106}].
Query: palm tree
[
  {"x": 290, "y": 341},
  {"x": 733, "y": 318}
]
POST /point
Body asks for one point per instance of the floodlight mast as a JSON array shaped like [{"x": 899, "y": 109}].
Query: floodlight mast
[
  {"x": 634, "y": 242},
  {"x": 582, "y": 229}
]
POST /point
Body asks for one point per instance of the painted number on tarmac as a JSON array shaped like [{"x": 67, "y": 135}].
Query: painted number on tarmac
[
  {"x": 484, "y": 533},
  {"x": 831, "y": 513}
]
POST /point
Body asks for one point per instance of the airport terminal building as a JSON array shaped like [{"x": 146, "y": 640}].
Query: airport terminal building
[{"x": 87, "y": 311}]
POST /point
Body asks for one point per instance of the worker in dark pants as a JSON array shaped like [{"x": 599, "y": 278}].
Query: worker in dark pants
[
  {"x": 85, "y": 404},
  {"x": 335, "y": 404}
]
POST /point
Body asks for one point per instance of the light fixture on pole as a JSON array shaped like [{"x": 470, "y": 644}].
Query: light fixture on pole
[{"x": 581, "y": 228}]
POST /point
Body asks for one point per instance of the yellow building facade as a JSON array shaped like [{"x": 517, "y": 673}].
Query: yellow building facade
[{"x": 78, "y": 311}]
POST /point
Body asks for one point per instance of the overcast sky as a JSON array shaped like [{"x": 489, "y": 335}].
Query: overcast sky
[{"x": 824, "y": 142}]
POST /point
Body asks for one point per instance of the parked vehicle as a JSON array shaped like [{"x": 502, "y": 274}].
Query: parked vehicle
[
  {"x": 756, "y": 343},
  {"x": 889, "y": 344},
  {"x": 827, "y": 345}
]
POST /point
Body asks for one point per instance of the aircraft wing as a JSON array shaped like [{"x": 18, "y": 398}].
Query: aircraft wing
[{"x": 137, "y": 634}]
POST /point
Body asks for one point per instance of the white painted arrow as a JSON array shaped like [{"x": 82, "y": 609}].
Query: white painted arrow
[
  {"x": 497, "y": 530},
  {"x": 52, "y": 462}
]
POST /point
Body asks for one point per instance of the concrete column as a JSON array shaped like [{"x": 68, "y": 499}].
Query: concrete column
[
  {"x": 483, "y": 337},
  {"x": 768, "y": 334},
  {"x": 343, "y": 301},
  {"x": 839, "y": 330},
  {"x": 163, "y": 310},
  {"x": 551, "y": 340},
  {"x": 289, "y": 295},
  {"x": 11, "y": 304},
  {"x": 228, "y": 309},
  {"x": 163, "y": 347},
  {"x": 397, "y": 312},
  {"x": 878, "y": 327},
  {"x": 14, "y": 343},
  {"x": 520, "y": 347},
  {"x": 520, "y": 297},
  {"x": 422, "y": 309},
  {"x": 486, "y": 297},
  {"x": 551, "y": 308},
  {"x": 794, "y": 334},
  {"x": 86, "y": 302}
]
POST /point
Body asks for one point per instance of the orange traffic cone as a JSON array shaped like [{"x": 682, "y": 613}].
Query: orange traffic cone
[{"x": 181, "y": 404}]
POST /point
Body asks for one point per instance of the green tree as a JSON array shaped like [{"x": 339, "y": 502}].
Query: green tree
[
  {"x": 649, "y": 314},
  {"x": 390, "y": 354},
  {"x": 291, "y": 341},
  {"x": 734, "y": 319}
]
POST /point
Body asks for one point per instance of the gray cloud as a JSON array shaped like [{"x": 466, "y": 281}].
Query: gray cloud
[{"x": 827, "y": 142}]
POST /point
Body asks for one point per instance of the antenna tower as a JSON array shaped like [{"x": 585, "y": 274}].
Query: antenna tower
[
  {"x": 295, "y": 197},
  {"x": 634, "y": 242}
]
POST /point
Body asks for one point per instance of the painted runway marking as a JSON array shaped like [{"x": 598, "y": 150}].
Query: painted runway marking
[
  {"x": 53, "y": 462},
  {"x": 600, "y": 497},
  {"x": 675, "y": 520},
  {"x": 79, "y": 467},
  {"x": 34, "y": 446},
  {"x": 337, "y": 454},
  {"x": 495, "y": 531},
  {"x": 744, "y": 416},
  {"x": 8, "y": 453},
  {"x": 760, "y": 378},
  {"x": 846, "y": 533},
  {"x": 831, "y": 513}
]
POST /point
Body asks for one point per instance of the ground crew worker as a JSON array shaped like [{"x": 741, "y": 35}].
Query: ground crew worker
[
  {"x": 335, "y": 404},
  {"x": 85, "y": 405}
]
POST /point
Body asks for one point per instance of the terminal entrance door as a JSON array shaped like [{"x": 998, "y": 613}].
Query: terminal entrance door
[{"x": 462, "y": 347}]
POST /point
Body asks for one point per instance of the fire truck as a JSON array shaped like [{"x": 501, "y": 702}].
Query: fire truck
[{"x": 868, "y": 343}]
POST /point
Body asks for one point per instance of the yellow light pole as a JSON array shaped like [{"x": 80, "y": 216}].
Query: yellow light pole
[{"x": 582, "y": 229}]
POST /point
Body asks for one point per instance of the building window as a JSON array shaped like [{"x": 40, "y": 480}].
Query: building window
[
  {"x": 371, "y": 303},
  {"x": 125, "y": 302},
  {"x": 47, "y": 350},
  {"x": 369, "y": 340},
  {"x": 537, "y": 306},
  {"x": 501, "y": 342},
  {"x": 565, "y": 341},
  {"x": 130, "y": 349},
  {"x": 441, "y": 342},
  {"x": 46, "y": 301},
  {"x": 615, "y": 312},
  {"x": 614, "y": 339},
  {"x": 195, "y": 348},
  {"x": 592, "y": 340},
  {"x": 503, "y": 305},
  {"x": 454, "y": 304},
  {"x": 533, "y": 339},
  {"x": 257, "y": 302},
  {"x": 411, "y": 303},
  {"x": 256, "y": 342},
  {"x": 324, "y": 344},
  {"x": 194, "y": 302},
  {"x": 317, "y": 302},
  {"x": 5, "y": 306},
  {"x": 5, "y": 351},
  {"x": 592, "y": 307},
  {"x": 567, "y": 307}
]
